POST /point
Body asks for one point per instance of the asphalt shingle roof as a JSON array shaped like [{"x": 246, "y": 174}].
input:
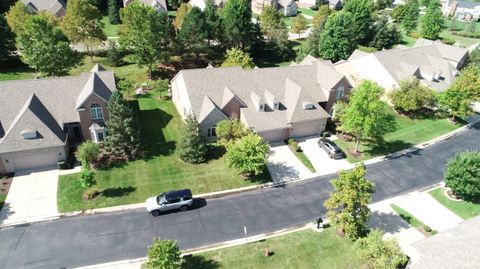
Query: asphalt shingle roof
[{"x": 54, "y": 7}]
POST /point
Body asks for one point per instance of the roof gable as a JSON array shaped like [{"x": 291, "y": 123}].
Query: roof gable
[{"x": 94, "y": 85}]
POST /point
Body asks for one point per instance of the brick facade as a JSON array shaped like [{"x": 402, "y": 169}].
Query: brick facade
[{"x": 85, "y": 116}]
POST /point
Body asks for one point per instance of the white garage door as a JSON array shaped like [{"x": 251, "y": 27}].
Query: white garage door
[
  {"x": 308, "y": 128},
  {"x": 35, "y": 159},
  {"x": 273, "y": 136}
]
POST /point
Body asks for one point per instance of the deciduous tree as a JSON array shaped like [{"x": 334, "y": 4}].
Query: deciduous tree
[
  {"x": 366, "y": 115},
  {"x": 237, "y": 24},
  {"x": 113, "y": 12},
  {"x": 248, "y": 155},
  {"x": 463, "y": 175},
  {"x": 230, "y": 130},
  {"x": 348, "y": 203},
  {"x": 7, "y": 44},
  {"x": 364, "y": 16},
  {"x": 432, "y": 23},
  {"x": 146, "y": 33},
  {"x": 236, "y": 57},
  {"x": 45, "y": 48},
  {"x": 412, "y": 96},
  {"x": 409, "y": 20},
  {"x": 17, "y": 17},
  {"x": 191, "y": 146},
  {"x": 164, "y": 254},
  {"x": 299, "y": 24},
  {"x": 338, "y": 39},
  {"x": 87, "y": 152},
  {"x": 181, "y": 14},
  {"x": 193, "y": 34},
  {"x": 385, "y": 34}
]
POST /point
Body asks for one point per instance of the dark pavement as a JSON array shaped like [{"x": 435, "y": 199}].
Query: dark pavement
[{"x": 86, "y": 240}]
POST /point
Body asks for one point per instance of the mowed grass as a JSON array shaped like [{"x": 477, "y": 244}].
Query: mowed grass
[
  {"x": 409, "y": 133},
  {"x": 464, "y": 209},
  {"x": 109, "y": 29},
  {"x": 414, "y": 222},
  {"x": 303, "y": 249},
  {"x": 304, "y": 159},
  {"x": 307, "y": 11},
  {"x": 161, "y": 171},
  {"x": 2, "y": 200}
]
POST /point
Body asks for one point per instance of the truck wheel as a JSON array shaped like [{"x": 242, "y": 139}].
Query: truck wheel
[
  {"x": 183, "y": 208},
  {"x": 155, "y": 213}
]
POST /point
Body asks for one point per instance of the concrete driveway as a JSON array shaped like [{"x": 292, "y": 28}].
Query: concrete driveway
[
  {"x": 319, "y": 158},
  {"x": 32, "y": 197},
  {"x": 284, "y": 166}
]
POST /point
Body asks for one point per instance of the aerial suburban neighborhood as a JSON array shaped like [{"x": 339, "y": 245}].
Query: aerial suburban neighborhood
[{"x": 239, "y": 134}]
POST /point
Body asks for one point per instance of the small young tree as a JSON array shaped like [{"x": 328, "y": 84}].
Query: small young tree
[
  {"x": 113, "y": 12},
  {"x": 299, "y": 24},
  {"x": 45, "y": 48},
  {"x": 164, "y": 254},
  {"x": 236, "y": 57},
  {"x": 348, "y": 203},
  {"x": 379, "y": 254},
  {"x": 248, "y": 155},
  {"x": 432, "y": 23},
  {"x": 124, "y": 137},
  {"x": 191, "y": 146},
  {"x": 412, "y": 96},
  {"x": 338, "y": 39},
  {"x": 87, "y": 177},
  {"x": 270, "y": 21},
  {"x": 463, "y": 175},
  {"x": 366, "y": 115},
  {"x": 230, "y": 130},
  {"x": 457, "y": 101},
  {"x": 87, "y": 152}
]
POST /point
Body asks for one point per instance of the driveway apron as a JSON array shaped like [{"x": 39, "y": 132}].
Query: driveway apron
[{"x": 283, "y": 165}]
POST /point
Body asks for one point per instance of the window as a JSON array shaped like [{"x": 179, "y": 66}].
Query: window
[
  {"x": 262, "y": 107},
  {"x": 212, "y": 132},
  {"x": 96, "y": 112},
  {"x": 340, "y": 91},
  {"x": 276, "y": 106},
  {"x": 99, "y": 136},
  {"x": 174, "y": 201}
]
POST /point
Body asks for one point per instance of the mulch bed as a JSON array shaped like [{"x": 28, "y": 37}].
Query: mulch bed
[{"x": 354, "y": 154}]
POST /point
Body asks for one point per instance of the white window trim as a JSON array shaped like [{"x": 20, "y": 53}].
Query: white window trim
[
  {"x": 95, "y": 136},
  {"x": 95, "y": 108},
  {"x": 339, "y": 93}
]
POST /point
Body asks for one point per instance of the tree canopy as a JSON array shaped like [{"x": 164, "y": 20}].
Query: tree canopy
[
  {"x": 412, "y": 96},
  {"x": 248, "y": 154},
  {"x": 432, "y": 23},
  {"x": 409, "y": 20},
  {"x": 164, "y": 254},
  {"x": 182, "y": 12},
  {"x": 113, "y": 12},
  {"x": 191, "y": 146},
  {"x": 230, "y": 130},
  {"x": 366, "y": 115},
  {"x": 299, "y": 24},
  {"x": 364, "y": 16},
  {"x": 87, "y": 152},
  {"x": 338, "y": 39},
  {"x": 45, "y": 48},
  {"x": 7, "y": 46},
  {"x": 193, "y": 35},
  {"x": 463, "y": 175},
  {"x": 237, "y": 24},
  {"x": 17, "y": 17},
  {"x": 385, "y": 34},
  {"x": 347, "y": 206},
  {"x": 236, "y": 57}
]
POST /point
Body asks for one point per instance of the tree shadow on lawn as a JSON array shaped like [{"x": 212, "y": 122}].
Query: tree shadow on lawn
[
  {"x": 382, "y": 147},
  {"x": 215, "y": 152},
  {"x": 264, "y": 177},
  {"x": 118, "y": 191},
  {"x": 199, "y": 262}
]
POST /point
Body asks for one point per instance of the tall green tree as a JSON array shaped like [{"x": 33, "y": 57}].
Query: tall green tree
[
  {"x": 432, "y": 23},
  {"x": 385, "y": 34},
  {"x": 124, "y": 137},
  {"x": 399, "y": 12},
  {"x": 236, "y": 57},
  {"x": 347, "y": 207},
  {"x": 463, "y": 175},
  {"x": 191, "y": 146},
  {"x": 311, "y": 46},
  {"x": 230, "y": 130},
  {"x": 7, "y": 45},
  {"x": 17, "y": 16},
  {"x": 366, "y": 115},
  {"x": 237, "y": 24},
  {"x": 271, "y": 21},
  {"x": 213, "y": 22},
  {"x": 113, "y": 12},
  {"x": 5, "y": 5},
  {"x": 193, "y": 35},
  {"x": 471, "y": 26},
  {"x": 338, "y": 39},
  {"x": 182, "y": 12},
  {"x": 146, "y": 33},
  {"x": 45, "y": 48},
  {"x": 299, "y": 24},
  {"x": 248, "y": 154},
  {"x": 409, "y": 20},
  {"x": 364, "y": 16},
  {"x": 320, "y": 17},
  {"x": 164, "y": 254},
  {"x": 412, "y": 96}
]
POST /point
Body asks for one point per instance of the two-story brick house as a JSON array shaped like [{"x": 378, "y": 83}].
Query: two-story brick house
[{"x": 41, "y": 118}]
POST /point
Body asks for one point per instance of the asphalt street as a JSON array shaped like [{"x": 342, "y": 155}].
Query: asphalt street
[{"x": 86, "y": 240}]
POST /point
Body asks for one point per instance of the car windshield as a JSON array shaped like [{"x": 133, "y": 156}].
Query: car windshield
[{"x": 161, "y": 199}]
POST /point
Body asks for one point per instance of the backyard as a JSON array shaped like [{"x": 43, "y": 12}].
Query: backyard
[
  {"x": 464, "y": 209},
  {"x": 109, "y": 29},
  {"x": 410, "y": 132},
  {"x": 162, "y": 170},
  {"x": 303, "y": 249}
]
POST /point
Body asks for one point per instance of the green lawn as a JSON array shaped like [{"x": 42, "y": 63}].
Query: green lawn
[
  {"x": 110, "y": 29},
  {"x": 17, "y": 73},
  {"x": 303, "y": 158},
  {"x": 289, "y": 20},
  {"x": 303, "y": 249},
  {"x": 464, "y": 209},
  {"x": 307, "y": 11},
  {"x": 414, "y": 222},
  {"x": 410, "y": 132},
  {"x": 161, "y": 171},
  {"x": 2, "y": 200}
]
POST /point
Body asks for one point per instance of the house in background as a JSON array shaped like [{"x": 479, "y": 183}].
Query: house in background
[
  {"x": 158, "y": 5},
  {"x": 54, "y": 7},
  {"x": 41, "y": 118},
  {"x": 461, "y": 10},
  {"x": 288, "y": 7},
  {"x": 434, "y": 63},
  {"x": 201, "y": 4},
  {"x": 277, "y": 103},
  {"x": 333, "y": 4}
]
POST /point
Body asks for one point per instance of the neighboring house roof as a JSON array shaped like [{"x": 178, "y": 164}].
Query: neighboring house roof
[
  {"x": 45, "y": 105},
  {"x": 454, "y": 248},
  {"x": 54, "y": 7},
  {"x": 159, "y": 5},
  {"x": 467, "y": 4},
  {"x": 433, "y": 62},
  {"x": 201, "y": 4},
  {"x": 211, "y": 88}
]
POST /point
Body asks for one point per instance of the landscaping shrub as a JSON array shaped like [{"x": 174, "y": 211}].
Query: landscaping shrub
[
  {"x": 412, "y": 96},
  {"x": 427, "y": 229},
  {"x": 164, "y": 254},
  {"x": 466, "y": 34},
  {"x": 62, "y": 165},
  {"x": 380, "y": 254},
  {"x": 448, "y": 41},
  {"x": 248, "y": 155},
  {"x": 87, "y": 177},
  {"x": 87, "y": 152},
  {"x": 293, "y": 144},
  {"x": 415, "y": 35},
  {"x": 463, "y": 175},
  {"x": 326, "y": 134},
  {"x": 230, "y": 130},
  {"x": 314, "y": 7}
]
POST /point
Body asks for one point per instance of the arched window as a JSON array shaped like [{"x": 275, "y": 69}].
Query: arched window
[{"x": 96, "y": 112}]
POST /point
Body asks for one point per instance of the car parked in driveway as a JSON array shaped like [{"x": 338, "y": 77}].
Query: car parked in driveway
[
  {"x": 333, "y": 151},
  {"x": 168, "y": 201}
]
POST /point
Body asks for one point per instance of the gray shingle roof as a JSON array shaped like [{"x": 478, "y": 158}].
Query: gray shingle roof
[
  {"x": 468, "y": 4},
  {"x": 94, "y": 85},
  {"x": 54, "y": 7},
  {"x": 244, "y": 84}
]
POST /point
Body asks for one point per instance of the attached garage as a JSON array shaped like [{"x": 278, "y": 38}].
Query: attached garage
[
  {"x": 31, "y": 159},
  {"x": 274, "y": 135},
  {"x": 309, "y": 128}
]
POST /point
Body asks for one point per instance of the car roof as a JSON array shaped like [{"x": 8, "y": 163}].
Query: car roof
[{"x": 178, "y": 193}]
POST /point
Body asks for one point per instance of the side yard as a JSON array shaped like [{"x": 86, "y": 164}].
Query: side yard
[
  {"x": 161, "y": 171},
  {"x": 464, "y": 209}
]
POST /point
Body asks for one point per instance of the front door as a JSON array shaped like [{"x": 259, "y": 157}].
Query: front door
[{"x": 77, "y": 134}]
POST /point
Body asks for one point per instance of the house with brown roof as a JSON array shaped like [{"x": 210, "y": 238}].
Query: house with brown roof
[
  {"x": 54, "y": 7},
  {"x": 158, "y": 5},
  {"x": 41, "y": 118},
  {"x": 277, "y": 103}
]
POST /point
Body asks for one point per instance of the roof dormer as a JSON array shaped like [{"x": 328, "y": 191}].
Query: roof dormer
[
  {"x": 257, "y": 101},
  {"x": 271, "y": 100}
]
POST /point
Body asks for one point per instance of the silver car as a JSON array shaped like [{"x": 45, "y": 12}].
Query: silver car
[{"x": 167, "y": 201}]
